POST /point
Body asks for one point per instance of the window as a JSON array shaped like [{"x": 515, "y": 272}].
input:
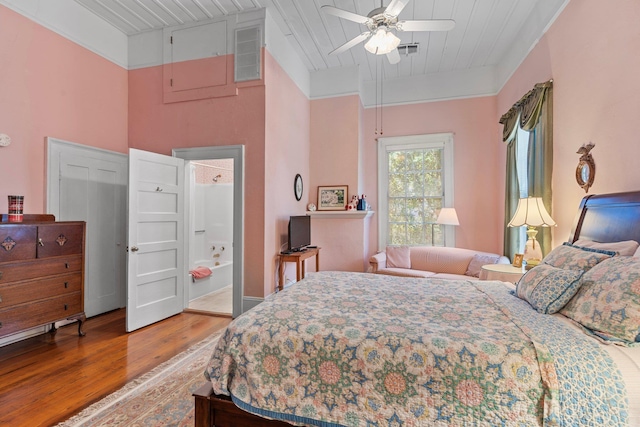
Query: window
[
  {"x": 415, "y": 180},
  {"x": 522, "y": 170}
]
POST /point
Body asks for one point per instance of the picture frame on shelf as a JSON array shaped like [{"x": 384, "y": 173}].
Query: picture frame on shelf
[
  {"x": 332, "y": 198},
  {"x": 517, "y": 260}
]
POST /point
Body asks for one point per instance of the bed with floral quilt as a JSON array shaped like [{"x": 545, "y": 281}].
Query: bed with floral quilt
[{"x": 357, "y": 349}]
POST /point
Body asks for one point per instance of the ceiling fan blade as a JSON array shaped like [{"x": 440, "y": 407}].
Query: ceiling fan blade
[
  {"x": 393, "y": 56},
  {"x": 426, "y": 25},
  {"x": 395, "y": 7},
  {"x": 345, "y": 14},
  {"x": 351, "y": 43}
]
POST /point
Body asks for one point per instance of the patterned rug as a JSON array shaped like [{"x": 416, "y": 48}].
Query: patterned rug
[{"x": 161, "y": 397}]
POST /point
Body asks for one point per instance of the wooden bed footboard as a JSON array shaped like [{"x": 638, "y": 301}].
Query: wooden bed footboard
[{"x": 219, "y": 411}]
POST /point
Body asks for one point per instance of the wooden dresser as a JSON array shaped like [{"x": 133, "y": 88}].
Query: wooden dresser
[{"x": 41, "y": 273}]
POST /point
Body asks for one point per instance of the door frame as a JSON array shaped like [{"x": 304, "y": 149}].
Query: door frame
[{"x": 235, "y": 152}]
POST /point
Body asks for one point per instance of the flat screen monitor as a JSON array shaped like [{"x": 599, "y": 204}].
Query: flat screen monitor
[{"x": 299, "y": 232}]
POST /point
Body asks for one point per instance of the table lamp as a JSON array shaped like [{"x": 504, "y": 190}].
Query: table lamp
[
  {"x": 447, "y": 216},
  {"x": 532, "y": 213}
]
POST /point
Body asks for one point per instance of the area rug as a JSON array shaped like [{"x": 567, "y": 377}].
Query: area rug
[{"x": 161, "y": 397}]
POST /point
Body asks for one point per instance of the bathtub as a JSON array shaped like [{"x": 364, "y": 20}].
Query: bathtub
[{"x": 221, "y": 276}]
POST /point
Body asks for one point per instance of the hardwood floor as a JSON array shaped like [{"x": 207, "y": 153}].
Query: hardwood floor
[{"x": 45, "y": 380}]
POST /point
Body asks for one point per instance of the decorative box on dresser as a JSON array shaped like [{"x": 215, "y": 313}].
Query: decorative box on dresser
[{"x": 41, "y": 273}]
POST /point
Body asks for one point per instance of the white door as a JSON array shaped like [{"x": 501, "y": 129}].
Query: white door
[
  {"x": 155, "y": 274},
  {"x": 90, "y": 184}
]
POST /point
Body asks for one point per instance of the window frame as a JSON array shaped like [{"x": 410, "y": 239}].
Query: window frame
[{"x": 413, "y": 142}]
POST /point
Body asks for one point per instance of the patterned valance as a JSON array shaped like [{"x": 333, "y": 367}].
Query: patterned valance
[{"x": 528, "y": 108}]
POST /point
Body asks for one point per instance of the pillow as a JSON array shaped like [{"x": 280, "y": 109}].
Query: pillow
[
  {"x": 624, "y": 248},
  {"x": 476, "y": 263},
  {"x": 398, "y": 257},
  {"x": 608, "y": 302},
  {"x": 637, "y": 254},
  {"x": 570, "y": 257},
  {"x": 548, "y": 288}
]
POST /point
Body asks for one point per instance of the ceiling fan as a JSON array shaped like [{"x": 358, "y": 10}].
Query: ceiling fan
[{"x": 380, "y": 23}]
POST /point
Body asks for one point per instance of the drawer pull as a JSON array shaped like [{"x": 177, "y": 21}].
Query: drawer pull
[
  {"x": 66, "y": 285},
  {"x": 0, "y": 324},
  {"x": 0, "y": 275},
  {"x": 0, "y": 299},
  {"x": 65, "y": 306},
  {"x": 40, "y": 242},
  {"x": 66, "y": 265}
]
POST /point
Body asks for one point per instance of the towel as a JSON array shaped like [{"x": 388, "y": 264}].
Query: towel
[{"x": 200, "y": 272}]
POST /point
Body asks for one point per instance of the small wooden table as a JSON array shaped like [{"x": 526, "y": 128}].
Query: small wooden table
[{"x": 298, "y": 258}]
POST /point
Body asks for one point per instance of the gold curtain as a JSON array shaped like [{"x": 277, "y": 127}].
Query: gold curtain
[{"x": 535, "y": 110}]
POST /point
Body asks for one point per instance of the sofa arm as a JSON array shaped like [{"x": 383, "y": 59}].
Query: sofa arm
[{"x": 378, "y": 261}]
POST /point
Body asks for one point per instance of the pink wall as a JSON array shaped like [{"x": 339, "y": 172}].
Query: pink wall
[
  {"x": 234, "y": 120},
  {"x": 287, "y": 146},
  {"x": 595, "y": 98},
  {"x": 50, "y": 86},
  {"x": 335, "y": 133},
  {"x": 477, "y": 168}
]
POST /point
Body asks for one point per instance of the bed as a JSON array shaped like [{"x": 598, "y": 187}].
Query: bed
[{"x": 356, "y": 349}]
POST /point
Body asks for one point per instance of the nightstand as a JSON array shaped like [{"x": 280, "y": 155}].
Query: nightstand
[{"x": 502, "y": 272}]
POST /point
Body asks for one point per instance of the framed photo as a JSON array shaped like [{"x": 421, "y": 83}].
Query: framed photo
[
  {"x": 333, "y": 198},
  {"x": 517, "y": 260}
]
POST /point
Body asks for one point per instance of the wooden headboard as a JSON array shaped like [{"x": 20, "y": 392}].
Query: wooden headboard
[{"x": 608, "y": 218}]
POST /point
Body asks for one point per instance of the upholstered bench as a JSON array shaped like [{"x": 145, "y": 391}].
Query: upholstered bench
[{"x": 433, "y": 261}]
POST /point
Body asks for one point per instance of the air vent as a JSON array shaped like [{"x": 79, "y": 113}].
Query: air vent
[{"x": 408, "y": 49}]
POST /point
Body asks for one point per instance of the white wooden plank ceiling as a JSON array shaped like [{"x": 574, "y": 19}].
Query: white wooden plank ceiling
[{"x": 484, "y": 31}]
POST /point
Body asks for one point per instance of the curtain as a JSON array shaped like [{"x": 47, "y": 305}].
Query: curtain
[{"x": 535, "y": 110}]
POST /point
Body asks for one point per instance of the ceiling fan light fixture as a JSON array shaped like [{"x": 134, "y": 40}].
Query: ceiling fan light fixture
[{"x": 382, "y": 42}]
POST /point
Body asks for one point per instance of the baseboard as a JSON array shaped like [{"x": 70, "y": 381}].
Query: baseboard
[{"x": 249, "y": 302}]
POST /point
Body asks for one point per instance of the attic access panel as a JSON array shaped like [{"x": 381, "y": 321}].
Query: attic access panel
[{"x": 199, "y": 57}]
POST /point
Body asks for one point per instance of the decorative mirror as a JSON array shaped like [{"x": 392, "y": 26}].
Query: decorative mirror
[
  {"x": 586, "y": 170},
  {"x": 297, "y": 187}
]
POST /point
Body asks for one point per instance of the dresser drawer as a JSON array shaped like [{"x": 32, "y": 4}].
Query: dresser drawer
[
  {"x": 37, "y": 313},
  {"x": 60, "y": 239},
  {"x": 17, "y": 242},
  {"x": 21, "y": 292},
  {"x": 19, "y": 271}
]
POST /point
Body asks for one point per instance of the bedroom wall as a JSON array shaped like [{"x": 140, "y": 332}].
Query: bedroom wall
[
  {"x": 477, "y": 165},
  {"x": 50, "y": 86},
  {"x": 287, "y": 144},
  {"x": 158, "y": 127},
  {"x": 595, "y": 98}
]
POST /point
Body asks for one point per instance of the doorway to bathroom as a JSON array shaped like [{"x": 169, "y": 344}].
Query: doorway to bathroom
[
  {"x": 214, "y": 228},
  {"x": 211, "y": 236}
]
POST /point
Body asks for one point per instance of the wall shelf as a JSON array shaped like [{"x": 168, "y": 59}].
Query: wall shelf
[{"x": 340, "y": 214}]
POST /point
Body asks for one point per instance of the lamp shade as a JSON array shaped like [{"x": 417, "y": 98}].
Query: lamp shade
[
  {"x": 382, "y": 42},
  {"x": 531, "y": 211},
  {"x": 448, "y": 216}
]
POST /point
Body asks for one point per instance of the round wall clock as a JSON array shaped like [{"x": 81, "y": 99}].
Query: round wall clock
[{"x": 297, "y": 187}]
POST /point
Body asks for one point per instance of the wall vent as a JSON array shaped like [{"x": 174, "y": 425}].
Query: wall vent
[{"x": 408, "y": 49}]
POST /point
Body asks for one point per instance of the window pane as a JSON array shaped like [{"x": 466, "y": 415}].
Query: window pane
[
  {"x": 415, "y": 210},
  {"x": 397, "y": 211},
  {"x": 397, "y": 163},
  {"x": 397, "y": 234},
  {"x": 415, "y": 160},
  {"x": 433, "y": 184},
  {"x": 396, "y": 185},
  {"x": 433, "y": 159},
  {"x": 414, "y": 184},
  {"x": 416, "y": 234}
]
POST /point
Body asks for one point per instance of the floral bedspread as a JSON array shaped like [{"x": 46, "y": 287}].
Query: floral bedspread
[{"x": 353, "y": 349}]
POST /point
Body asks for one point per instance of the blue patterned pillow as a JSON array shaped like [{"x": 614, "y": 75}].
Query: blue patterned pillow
[
  {"x": 571, "y": 257},
  {"x": 608, "y": 303},
  {"x": 548, "y": 288}
]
